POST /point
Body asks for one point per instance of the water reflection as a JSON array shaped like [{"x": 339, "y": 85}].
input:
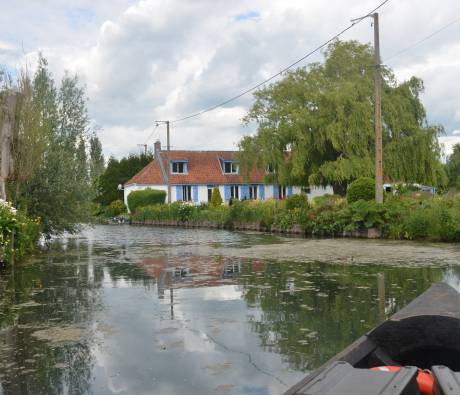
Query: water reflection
[{"x": 111, "y": 311}]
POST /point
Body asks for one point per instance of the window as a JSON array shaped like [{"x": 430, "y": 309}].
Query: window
[
  {"x": 253, "y": 192},
  {"x": 234, "y": 192},
  {"x": 179, "y": 167},
  {"x": 306, "y": 190},
  {"x": 231, "y": 167},
  {"x": 281, "y": 192},
  {"x": 187, "y": 193},
  {"x": 210, "y": 188}
]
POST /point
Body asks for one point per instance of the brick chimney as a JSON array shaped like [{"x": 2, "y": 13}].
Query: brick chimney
[{"x": 157, "y": 148}]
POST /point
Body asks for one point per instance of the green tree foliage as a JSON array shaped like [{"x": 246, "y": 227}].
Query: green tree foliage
[
  {"x": 297, "y": 201},
  {"x": 118, "y": 172},
  {"x": 96, "y": 159},
  {"x": 315, "y": 127},
  {"x": 361, "y": 189},
  {"x": 453, "y": 168},
  {"x": 51, "y": 178},
  {"x": 115, "y": 208},
  {"x": 216, "y": 198},
  {"x": 145, "y": 197}
]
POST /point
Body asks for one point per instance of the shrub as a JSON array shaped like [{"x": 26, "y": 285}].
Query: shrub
[
  {"x": 417, "y": 224},
  {"x": 115, "y": 208},
  {"x": 361, "y": 189},
  {"x": 326, "y": 200},
  {"x": 18, "y": 233},
  {"x": 185, "y": 212},
  {"x": 145, "y": 197},
  {"x": 216, "y": 199},
  {"x": 365, "y": 215},
  {"x": 297, "y": 201}
]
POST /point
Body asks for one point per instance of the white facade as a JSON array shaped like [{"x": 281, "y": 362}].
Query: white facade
[{"x": 200, "y": 194}]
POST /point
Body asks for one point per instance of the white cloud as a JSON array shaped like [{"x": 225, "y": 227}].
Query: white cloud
[
  {"x": 143, "y": 60},
  {"x": 447, "y": 144}
]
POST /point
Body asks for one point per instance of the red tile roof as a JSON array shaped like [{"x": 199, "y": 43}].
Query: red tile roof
[{"x": 204, "y": 167}]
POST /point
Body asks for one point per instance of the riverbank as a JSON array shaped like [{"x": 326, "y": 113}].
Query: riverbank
[
  {"x": 398, "y": 218},
  {"x": 372, "y": 233}
]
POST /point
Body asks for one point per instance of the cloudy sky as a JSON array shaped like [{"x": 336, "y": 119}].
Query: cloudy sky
[{"x": 164, "y": 59}]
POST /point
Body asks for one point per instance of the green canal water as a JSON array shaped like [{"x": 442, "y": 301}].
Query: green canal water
[{"x": 139, "y": 310}]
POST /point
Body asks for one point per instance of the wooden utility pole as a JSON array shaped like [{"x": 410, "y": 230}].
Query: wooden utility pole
[
  {"x": 168, "y": 148},
  {"x": 7, "y": 111},
  {"x": 378, "y": 114},
  {"x": 168, "y": 145}
]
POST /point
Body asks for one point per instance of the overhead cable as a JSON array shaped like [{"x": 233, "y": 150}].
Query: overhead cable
[{"x": 245, "y": 92}]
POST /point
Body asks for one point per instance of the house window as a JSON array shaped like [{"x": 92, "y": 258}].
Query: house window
[
  {"x": 253, "y": 192},
  {"x": 179, "y": 167},
  {"x": 281, "y": 192},
  {"x": 306, "y": 190},
  {"x": 234, "y": 192},
  {"x": 210, "y": 188},
  {"x": 231, "y": 167},
  {"x": 187, "y": 193}
]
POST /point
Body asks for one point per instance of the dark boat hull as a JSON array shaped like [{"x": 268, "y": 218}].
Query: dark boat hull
[{"x": 424, "y": 333}]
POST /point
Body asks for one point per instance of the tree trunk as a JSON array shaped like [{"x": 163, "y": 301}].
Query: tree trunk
[
  {"x": 6, "y": 135},
  {"x": 339, "y": 188}
]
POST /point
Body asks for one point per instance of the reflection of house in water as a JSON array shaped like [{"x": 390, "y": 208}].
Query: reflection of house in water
[{"x": 187, "y": 271}]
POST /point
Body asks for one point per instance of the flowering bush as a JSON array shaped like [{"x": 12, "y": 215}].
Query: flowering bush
[{"x": 18, "y": 234}]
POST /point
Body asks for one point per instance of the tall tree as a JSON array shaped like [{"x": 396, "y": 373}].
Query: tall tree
[
  {"x": 453, "y": 168},
  {"x": 118, "y": 172},
  {"x": 73, "y": 115},
  {"x": 52, "y": 180},
  {"x": 96, "y": 159},
  {"x": 315, "y": 127}
]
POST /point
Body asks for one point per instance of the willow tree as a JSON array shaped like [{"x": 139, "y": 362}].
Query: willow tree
[{"x": 316, "y": 126}]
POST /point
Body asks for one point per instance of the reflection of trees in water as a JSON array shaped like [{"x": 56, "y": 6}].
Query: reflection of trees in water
[
  {"x": 66, "y": 292},
  {"x": 309, "y": 312},
  {"x": 452, "y": 277}
]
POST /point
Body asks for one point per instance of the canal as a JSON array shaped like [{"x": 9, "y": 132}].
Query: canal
[{"x": 139, "y": 310}]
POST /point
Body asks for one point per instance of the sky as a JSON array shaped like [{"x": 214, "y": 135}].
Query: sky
[{"x": 150, "y": 60}]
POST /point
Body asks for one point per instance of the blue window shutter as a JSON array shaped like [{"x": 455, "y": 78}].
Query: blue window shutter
[
  {"x": 275, "y": 191},
  {"x": 227, "y": 192},
  {"x": 178, "y": 192},
  {"x": 195, "y": 193},
  {"x": 289, "y": 191},
  {"x": 244, "y": 192},
  {"x": 261, "y": 192}
]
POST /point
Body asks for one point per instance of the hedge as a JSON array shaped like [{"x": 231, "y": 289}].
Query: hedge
[
  {"x": 361, "y": 189},
  {"x": 145, "y": 197}
]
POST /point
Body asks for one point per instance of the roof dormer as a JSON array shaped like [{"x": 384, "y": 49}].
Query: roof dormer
[
  {"x": 179, "y": 167},
  {"x": 230, "y": 167}
]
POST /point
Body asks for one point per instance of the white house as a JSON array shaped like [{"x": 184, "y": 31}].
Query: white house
[{"x": 194, "y": 174}]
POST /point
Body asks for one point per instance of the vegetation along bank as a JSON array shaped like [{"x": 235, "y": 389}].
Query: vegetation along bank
[{"x": 406, "y": 215}]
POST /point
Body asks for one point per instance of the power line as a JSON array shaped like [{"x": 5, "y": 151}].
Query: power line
[
  {"x": 423, "y": 39},
  {"x": 280, "y": 72},
  {"x": 151, "y": 134}
]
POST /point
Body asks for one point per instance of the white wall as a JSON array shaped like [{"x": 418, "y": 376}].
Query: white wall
[
  {"x": 268, "y": 191},
  {"x": 203, "y": 191},
  {"x": 319, "y": 191}
]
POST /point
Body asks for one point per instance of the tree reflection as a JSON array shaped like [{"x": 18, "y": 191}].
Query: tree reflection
[
  {"x": 56, "y": 292},
  {"x": 311, "y": 311}
]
